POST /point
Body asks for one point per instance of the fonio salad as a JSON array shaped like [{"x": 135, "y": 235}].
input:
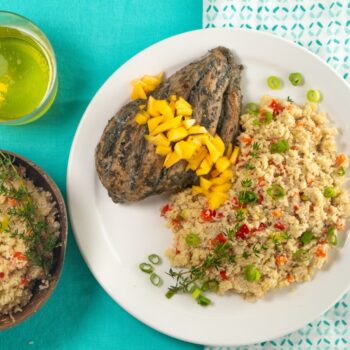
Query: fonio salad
[{"x": 284, "y": 210}]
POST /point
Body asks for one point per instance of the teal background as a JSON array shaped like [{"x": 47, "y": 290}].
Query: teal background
[{"x": 91, "y": 38}]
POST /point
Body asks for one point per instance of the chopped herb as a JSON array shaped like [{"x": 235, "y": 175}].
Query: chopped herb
[
  {"x": 329, "y": 192},
  {"x": 256, "y": 146},
  {"x": 247, "y": 197},
  {"x": 246, "y": 255},
  {"x": 240, "y": 215},
  {"x": 246, "y": 183},
  {"x": 289, "y": 99},
  {"x": 192, "y": 239},
  {"x": 341, "y": 171},
  {"x": 251, "y": 108},
  {"x": 332, "y": 236},
  {"x": 258, "y": 248},
  {"x": 306, "y": 237},
  {"x": 280, "y": 146},
  {"x": 301, "y": 255},
  {"x": 252, "y": 273},
  {"x": 249, "y": 166},
  {"x": 276, "y": 191}
]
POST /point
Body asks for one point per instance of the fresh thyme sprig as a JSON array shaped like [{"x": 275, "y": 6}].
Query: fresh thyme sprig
[{"x": 38, "y": 238}]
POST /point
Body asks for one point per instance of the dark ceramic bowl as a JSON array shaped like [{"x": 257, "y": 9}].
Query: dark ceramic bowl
[{"x": 42, "y": 180}]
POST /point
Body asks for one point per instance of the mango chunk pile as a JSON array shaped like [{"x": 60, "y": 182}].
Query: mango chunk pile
[
  {"x": 177, "y": 137},
  {"x": 145, "y": 85}
]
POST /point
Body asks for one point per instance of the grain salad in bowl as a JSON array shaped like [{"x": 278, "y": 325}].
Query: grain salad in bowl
[
  {"x": 30, "y": 237},
  {"x": 285, "y": 210}
]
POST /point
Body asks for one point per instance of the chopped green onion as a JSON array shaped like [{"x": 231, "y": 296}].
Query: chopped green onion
[
  {"x": 301, "y": 255},
  {"x": 279, "y": 238},
  {"x": 304, "y": 197},
  {"x": 268, "y": 117},
  {"x": 196, "y": 293},
  {"x": 276, "y": 191},
  {"x": 313, "y": 96},
  {"x": 211, "y": 285},
  {"x": 154, "y": 259},
  {"x": 192, "y": 239},
  {"x": 169, "y": 294},
  {"x": 273, "y": 82},
  {"x": 329, "y": 192},
  {"x": 332, "y": 236},
  {"x": 256, "y": 122},
  {"x": 251, "y": 108},
  {"x": 252, "y": 273},
  {"x": 203, "y": 301},
  {"x": 147, "y": 268},
  {"x": 247, "y": 197},
  {"x": 306, "y": 237},
  {"x": 295, "y": 78},
  {"x": 155, "y": 279},
  {"x": 341, "y": 171},
  {"x": 280, "y": 146}
]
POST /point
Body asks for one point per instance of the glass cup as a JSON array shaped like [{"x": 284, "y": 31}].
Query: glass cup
[{"x": 16, "y": 27}]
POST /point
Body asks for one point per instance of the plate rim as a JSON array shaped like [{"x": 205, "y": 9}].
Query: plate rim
[{"x": 149, "y": 323}]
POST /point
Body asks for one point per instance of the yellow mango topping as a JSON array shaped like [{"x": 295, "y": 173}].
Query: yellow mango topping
[
  {"x": 141, "y": 118},
  {"x": 177, "y": 137},
  {"x": 3, "y": 87},
  {"x": 222, "y": 164},
  {"x": 145, "y": 85},
  {"x": 177, "y": 134},
  {"x": 171, "y": 159},
  {"x": 234, "y": 156},
  {"x": 158, "y": 140},
  {"x": 163, "y": 150},
  {"x": 185, "y": 149}
]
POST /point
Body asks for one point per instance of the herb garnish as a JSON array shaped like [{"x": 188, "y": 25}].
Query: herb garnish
[{"x": 40, "y": 242}]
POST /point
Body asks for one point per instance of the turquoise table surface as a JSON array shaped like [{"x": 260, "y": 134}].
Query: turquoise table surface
[{"x": 91, "y": 38}]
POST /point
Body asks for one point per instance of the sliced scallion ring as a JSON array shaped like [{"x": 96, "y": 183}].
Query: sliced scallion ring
[
  {"x": 145, "y": 267},
  {"x": 203, "y": 301},
  {"x": 313, "y": 96},
  {"x": 155, "y": 279},
  {"x": 295, "y": 78},
  {"x": 155, "y": 259},
  {"x": 274, "y": 82}
]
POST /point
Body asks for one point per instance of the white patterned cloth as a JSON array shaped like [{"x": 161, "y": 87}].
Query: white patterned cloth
[{"x": 323, "y": 27}]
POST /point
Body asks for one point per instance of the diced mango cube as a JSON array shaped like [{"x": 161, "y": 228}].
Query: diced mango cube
[
  {"x": 234, "y": 156},
  {"x": 199, "y": 190},
  {"x": 197, "y": 129},
  {"x": 158, "y": 140},
  {"x": 163, "y": 150},
  {"x": 167, "y": 125},
  {"x": 219, "y": 144},
  {"x": 171, "y": 159},
  {"x": 220, "y": 180},
  {"x": 138, "y": 92},
  {"x": 183, "y": 107},
  {"x": 215, "y": 200},
  {"x": 228, "y": 174},
  {"x": 177, "y": 134},
  {"x": 153, "y": 123},
  {"x": 196, "y": 160},
  {"x": 150, "y": 80},
  {"x": 215, "y": 173},
  {"x": 222, "y": 164},
  {"x": 151, "y": 107},
  {"x": 185, "y": 149},
  {"x": 204, "y": 183},
  {"x": 173, "y": 98},
  {"x": 162, "y": 106},
  {"x": 222, "y": 188},
  {"x": 204, "y": 167},
  {"x": 141, "y": 118},
  {"x": 214, "y": 153},
  {"x": 187, "y": 123}
]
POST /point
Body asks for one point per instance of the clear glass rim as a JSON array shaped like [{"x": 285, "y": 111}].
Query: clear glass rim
[{"x": 53, "y": 84}]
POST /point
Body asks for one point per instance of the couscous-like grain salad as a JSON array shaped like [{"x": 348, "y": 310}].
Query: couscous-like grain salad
[
  {"x": 286, "y": 207},
  {"x": 28, "y": 234}
]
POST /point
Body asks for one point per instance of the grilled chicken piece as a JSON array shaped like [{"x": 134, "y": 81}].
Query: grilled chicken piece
[{"x": 126, "y": 162}]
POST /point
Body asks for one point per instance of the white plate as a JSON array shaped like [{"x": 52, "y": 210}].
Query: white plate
[{"x": 114, "y": 239}]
